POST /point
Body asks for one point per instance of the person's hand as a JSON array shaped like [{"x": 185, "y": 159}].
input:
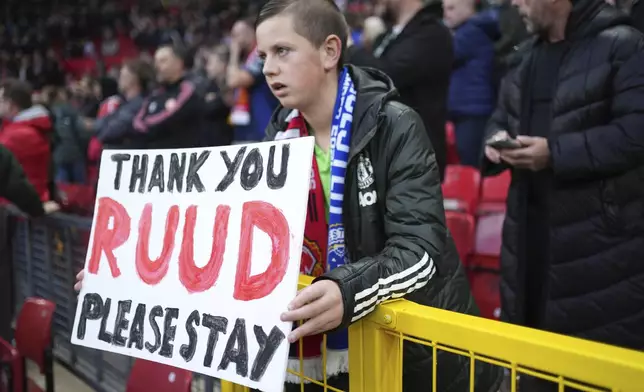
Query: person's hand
[
  {"x": 50, "y": 207},
  {"x": 320, "y": 305},
  {"x": 492, "y": 153},
  {"x": 79, "y": 280},
  {"x": 534, "y": 154}
]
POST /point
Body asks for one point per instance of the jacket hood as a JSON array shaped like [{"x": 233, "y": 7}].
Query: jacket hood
[
  {"x": 488, "y": 22},
  {"x": 589, "y": 17},
  {"x": 36, "y": 116},
  {"x": 373, "y": 88}
]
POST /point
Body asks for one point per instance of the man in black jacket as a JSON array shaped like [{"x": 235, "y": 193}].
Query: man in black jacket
[
  {"x": 417, "y": 54},
  {"x": 375, "y": 171},
  {"x": 574, "y": 231},
  {"x": 172, "y": 116}
]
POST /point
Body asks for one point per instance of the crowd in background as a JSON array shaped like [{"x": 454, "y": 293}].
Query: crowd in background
[{"x": 74, "y": 57}]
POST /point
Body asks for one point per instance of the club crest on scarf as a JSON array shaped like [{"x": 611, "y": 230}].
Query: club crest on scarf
[{"x": 311, "y": 263}]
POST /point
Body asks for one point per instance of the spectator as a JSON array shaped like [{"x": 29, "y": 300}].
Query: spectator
[
  {"x": 26, "y": 71},
  {"x": 218, "y": 99},
  {"x": 408, "y": 54},
  {"x": 396, "y": 230},
  {"x": 27, "y": 132},
  {"x": 471, "y": 90},
  {"x": 109, "y": 43},
  {"x": 71, "y": 139},
  {"x": 54, "y": 74},
  {"x": 116, "y": 128},
  {"x": 172, "y": 117},
  {"x": 254, "y": 102},
  {"x": 574, "y": 231}
]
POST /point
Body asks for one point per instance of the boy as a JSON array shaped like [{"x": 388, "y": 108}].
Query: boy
[{"x": 376, "y": 176}]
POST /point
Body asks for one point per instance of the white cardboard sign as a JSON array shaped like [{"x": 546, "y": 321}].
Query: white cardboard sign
[{"x": 193, "y": 256}]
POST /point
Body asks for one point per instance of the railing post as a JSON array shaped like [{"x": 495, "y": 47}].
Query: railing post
[{"x": 381, "y": 351}]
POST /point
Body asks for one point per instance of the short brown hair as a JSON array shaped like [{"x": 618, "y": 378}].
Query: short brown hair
[
  {"x": 18, "y": 93},
  {"x": 314, "y": 20},
  {"x": 143, "y": 70}
]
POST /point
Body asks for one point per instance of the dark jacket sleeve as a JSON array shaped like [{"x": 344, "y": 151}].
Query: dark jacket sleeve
[
  {"x": 15, "y": 187},
  {"x": 411, "y": 58},
  {"x": 498, "y": 122},
  {"x": 414, "y": 223},
  {"x": 116, "y": 126},
  {"x": 188, "y": 105},
  {"x": 617, "y": 146}
]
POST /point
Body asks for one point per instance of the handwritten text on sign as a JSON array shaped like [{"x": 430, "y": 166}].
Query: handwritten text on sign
[{"x": 194, "y": 254}]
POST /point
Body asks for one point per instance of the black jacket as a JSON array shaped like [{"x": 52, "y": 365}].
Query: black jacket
[
  {"x": 15, "y": 187},
  {"x": 218, "y": 131},
  {"x": 399, "y": 245},
  {"x": 419, "y": 61},
  {"x": 593, "y": 286},
  {"x": 171, "y": 117},
  {"x": 115, "y": 129}
]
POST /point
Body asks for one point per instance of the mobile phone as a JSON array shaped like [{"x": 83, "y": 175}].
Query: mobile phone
[{"x": 503, "y": 143}]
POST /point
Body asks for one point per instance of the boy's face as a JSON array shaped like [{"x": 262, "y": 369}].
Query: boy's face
[{"x": 294, "y": 68}]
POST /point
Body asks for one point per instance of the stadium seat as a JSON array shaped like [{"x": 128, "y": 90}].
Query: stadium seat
[
  {"x": 485, "y": 290},
  {"x": 487, "y": 242},
  {"x": 494, "y": 192},
  {"x": 34, "y": 342},
  {"x": 461, "y": 188},
  {"x": 151, "y": 376},
  {"x": 461, "y": 225},
  {"x": 484, "y": 265}
]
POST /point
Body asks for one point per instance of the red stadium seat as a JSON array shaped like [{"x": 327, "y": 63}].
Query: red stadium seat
[
  {"x": 484, "y": 266},
  {"x": 461, "y": 225},
  {"x": 34, "y": 342},
  {"x": 494, "y": 193},
  {"x": 461, "y": 188},
  {"x": 151, "y": 376},
  {"x": 485, "y": 290},
  {"x": 487, "y": 242}
]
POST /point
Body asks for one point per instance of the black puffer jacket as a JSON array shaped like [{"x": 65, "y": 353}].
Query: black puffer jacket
[
  {"x": 399, "y": 244},
  {"x": 594, "y": 286}
]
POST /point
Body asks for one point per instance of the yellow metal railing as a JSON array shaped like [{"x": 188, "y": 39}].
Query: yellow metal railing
[{"x": 376, "y": 344}]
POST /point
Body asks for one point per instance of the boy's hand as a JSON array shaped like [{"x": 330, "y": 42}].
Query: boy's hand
[
  {"x": 320, "y": 304},
  {"x": 79, "y": 280}
]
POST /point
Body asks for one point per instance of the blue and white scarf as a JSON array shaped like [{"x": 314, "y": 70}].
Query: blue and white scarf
[{"x": 340, "y": 142}]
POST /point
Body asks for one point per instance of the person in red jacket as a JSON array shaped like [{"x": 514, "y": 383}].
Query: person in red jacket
[{"x": 26, "y": 132}]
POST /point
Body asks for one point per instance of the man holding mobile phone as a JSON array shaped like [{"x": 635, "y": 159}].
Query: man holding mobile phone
[
  {"x": 569, "y": 124},
  {"x": 522, "y": 152}
]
